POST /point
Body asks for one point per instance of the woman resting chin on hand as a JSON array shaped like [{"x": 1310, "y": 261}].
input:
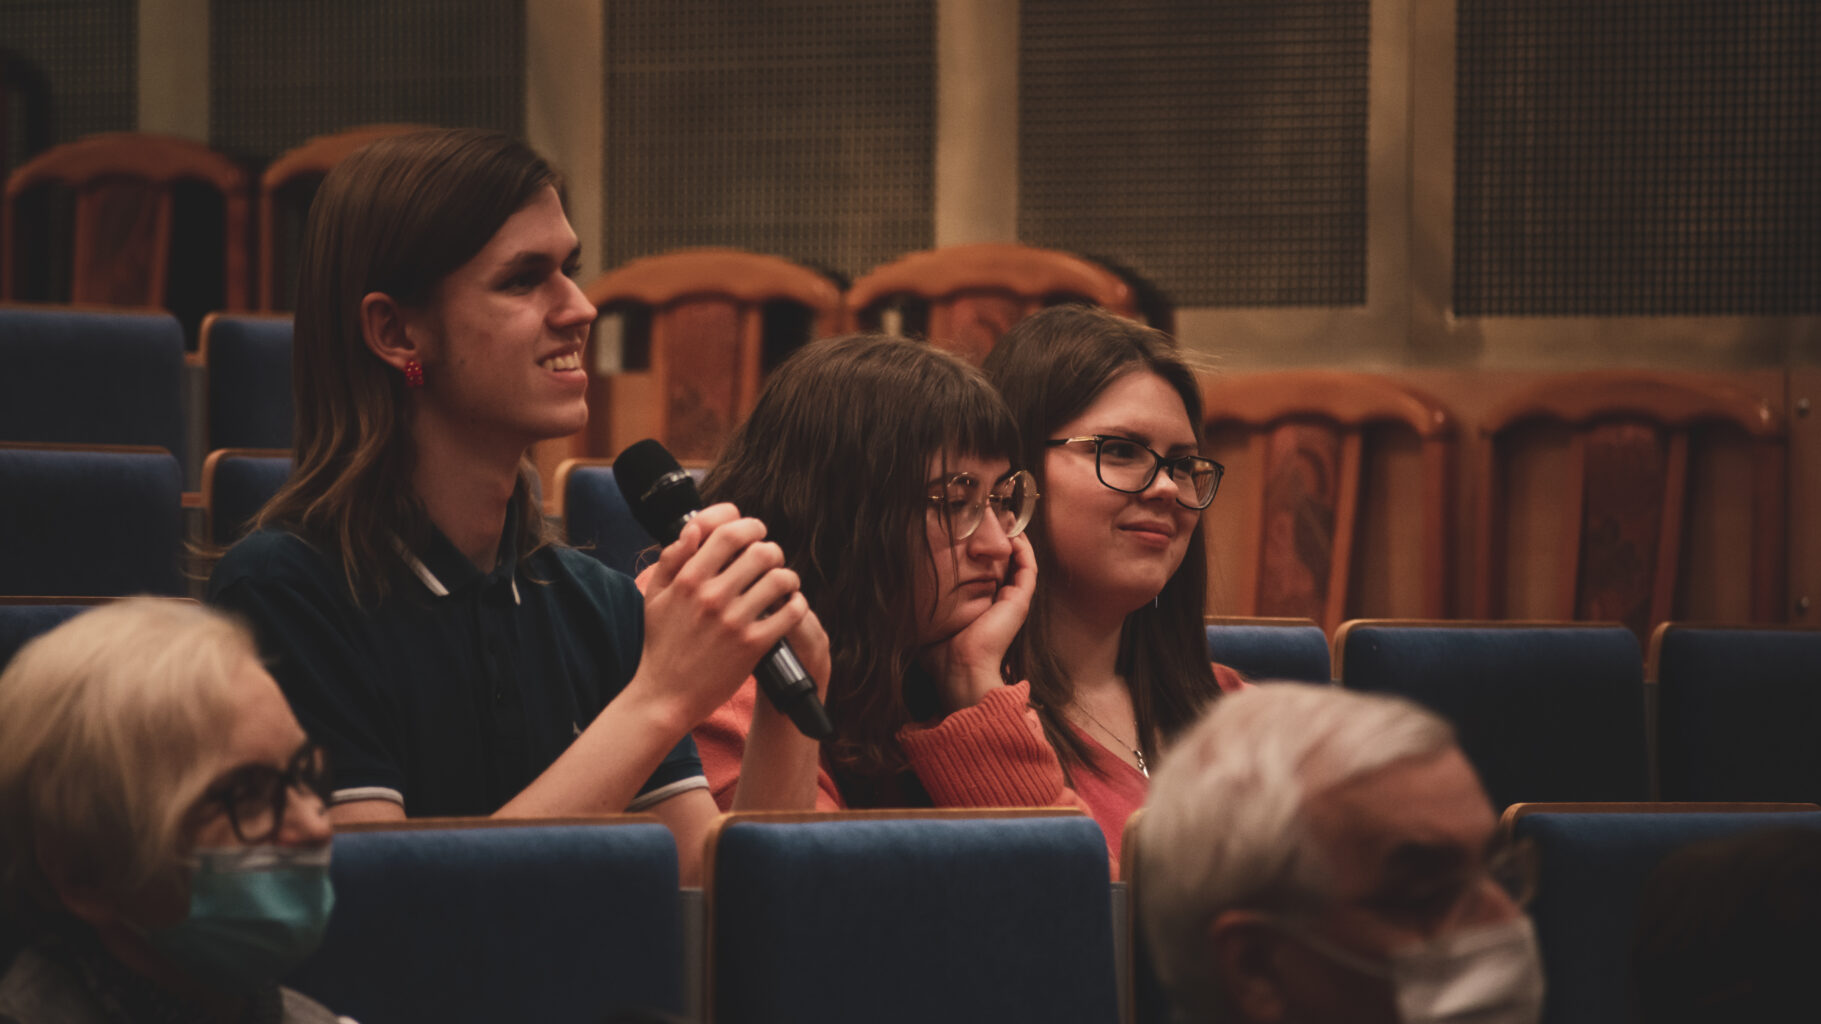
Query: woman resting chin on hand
[{"x": 888, "y": 473}]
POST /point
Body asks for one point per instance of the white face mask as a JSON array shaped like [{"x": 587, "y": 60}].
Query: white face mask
[{"x": 1487, "y": 975}]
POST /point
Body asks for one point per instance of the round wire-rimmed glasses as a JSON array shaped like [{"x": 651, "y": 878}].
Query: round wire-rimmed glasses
[
  {"x": 1129, "y": 466},
  {"x": 962, "y": 501},
  {"x": 254, "y": 796}
]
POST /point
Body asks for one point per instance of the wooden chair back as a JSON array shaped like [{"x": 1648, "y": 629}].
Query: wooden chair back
[
  {"x": 1298, "y": 526},
  {"x": 975, "y": 293},
  {"x": 1619, "y": 507},
  {"x": 695, "y": 345},
  {"x": 1509, "y": 818},
  {"x": 285, "y": 191},
  {"x": 124, "y": 187}
]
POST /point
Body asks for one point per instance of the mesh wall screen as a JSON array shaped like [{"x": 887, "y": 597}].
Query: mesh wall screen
[
  {"x": 70, "y": 69},
  {"x": 1658, "y": 158},
  {"x": 802, "y": 128},
  {"x": 286, "y": 70},
  {"x": 1217, "y": 148}
]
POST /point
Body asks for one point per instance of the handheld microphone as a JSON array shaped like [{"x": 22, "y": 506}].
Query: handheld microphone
[{"x": 662, "y": 498}]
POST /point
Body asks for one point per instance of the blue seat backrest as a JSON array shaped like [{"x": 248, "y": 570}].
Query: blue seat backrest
[
  {"x": 597, "y": 520},
  {"x": 558, "y": 923},
  {"x": 72, "y": 377},
  {"x": 1261, "y": 651},
  {"x": 1737, "y": 713},
  {"x": 1593, "y": 868},
  {"x": 239, "y": 488},
  {"x": 1544, "y": 713},
  {"x": 90, "y": 523},
  {"x": 19, "y": 623},
  {"x": 910, "y": 920},
  {"x": 249, "y": 382}
]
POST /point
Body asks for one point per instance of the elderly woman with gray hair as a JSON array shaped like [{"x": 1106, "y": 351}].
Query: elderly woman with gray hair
[{"x": 163, "y": 838}]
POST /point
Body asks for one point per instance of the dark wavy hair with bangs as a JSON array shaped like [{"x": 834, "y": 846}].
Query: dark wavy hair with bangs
[{"x": 835, "y": 460}]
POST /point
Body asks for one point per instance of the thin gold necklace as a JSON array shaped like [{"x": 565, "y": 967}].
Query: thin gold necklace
[{"x": 1139, "y": 754}]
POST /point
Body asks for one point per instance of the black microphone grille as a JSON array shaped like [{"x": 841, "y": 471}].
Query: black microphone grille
[{"x": 657, "y": 490}]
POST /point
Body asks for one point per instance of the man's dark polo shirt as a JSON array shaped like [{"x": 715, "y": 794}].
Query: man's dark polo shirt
[{"x": 460, "y": 688}]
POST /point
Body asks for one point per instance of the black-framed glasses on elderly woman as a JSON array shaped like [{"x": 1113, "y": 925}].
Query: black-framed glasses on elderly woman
[
  {"x": 962, "y": 501},
  {"x": 1129, "y": 466},
  {"x": 254, "y": 796}
]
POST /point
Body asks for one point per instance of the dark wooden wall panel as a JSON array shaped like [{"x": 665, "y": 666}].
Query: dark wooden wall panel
[
  {"x": 285, "y": 70},
  {"x": 1216, "y": 148},
  {"x": 803, "y": 128},
  {"x": 1654, "y": 159}
]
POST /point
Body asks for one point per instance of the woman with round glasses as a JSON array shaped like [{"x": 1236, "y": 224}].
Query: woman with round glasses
[
  {"x": 887, "y": 472},
  {"x": 163, "y": 833},
  {"x": 1113, "y": 647}
]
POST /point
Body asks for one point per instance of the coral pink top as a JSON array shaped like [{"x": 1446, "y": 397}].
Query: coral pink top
[
  {"x": 990, "y": 755},
  {"x": 1110, "y": 788}
]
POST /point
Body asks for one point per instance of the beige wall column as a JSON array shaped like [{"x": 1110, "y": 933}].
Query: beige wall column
[
  {"x": 976, "y": 121},
  {"x": 564, "y": 109},
  {"x": 174, "y": 68}
]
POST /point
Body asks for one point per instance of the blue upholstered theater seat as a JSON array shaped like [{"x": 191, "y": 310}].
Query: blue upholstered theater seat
[
  {"x": 236, "y": 484},
  {"x": 597, "y": 519},
  {"x": 1545, "y": 713},
  {"x": 78, "y": 522},
  {"x": 82, "y": 377},
  {"x": 1738, "y": 712},
  {"x": 1593, "y": 868},
  {"x": 915, "y": 920},
  {"x": 1271, "y": 648},
  {"x": 19, "y": 623},
  {"x": 550, "y": 923},
  {"x": 249, "y": 367}
]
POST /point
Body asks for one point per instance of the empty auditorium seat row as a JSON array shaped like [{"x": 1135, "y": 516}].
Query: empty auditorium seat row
[
  {"x": 910, "y": 917},
  {"x": 95, "y": 377}
]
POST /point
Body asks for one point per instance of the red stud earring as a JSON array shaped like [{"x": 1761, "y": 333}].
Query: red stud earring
[{"x": 414, "y": 375}]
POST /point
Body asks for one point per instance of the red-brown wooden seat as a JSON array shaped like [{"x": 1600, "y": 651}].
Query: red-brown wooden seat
[
  {"x": 1615, "y": 515},
  {"x": 700, "y": 327},
  {"x": 1298, "y": 519},
  {"x": 285, "y": 191},
  {"x": 125, "y": 190},
  {"x": 973, "y": 294}
]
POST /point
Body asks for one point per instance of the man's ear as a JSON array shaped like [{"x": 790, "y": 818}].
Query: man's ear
[
  {"x": 83, "y": 900},
  {"x": 1244, "y": 948},
  {"x": 385, "y": 327}
]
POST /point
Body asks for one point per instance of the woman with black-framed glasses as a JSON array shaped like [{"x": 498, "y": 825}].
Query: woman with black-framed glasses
[
  {"x": 164, "y": 833},
  {"x": 1113, "y": 647},
  {"x": 889, "y": 473}
]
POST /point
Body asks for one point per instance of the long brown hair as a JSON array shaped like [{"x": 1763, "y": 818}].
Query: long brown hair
[
  {"x": 834, "y": 459},
  {"x": 396, "y": 217},
  {"x": 1050, "y": 368}
]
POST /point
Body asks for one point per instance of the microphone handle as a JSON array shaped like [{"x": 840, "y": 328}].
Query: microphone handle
[{"x": 786, "y": 683}]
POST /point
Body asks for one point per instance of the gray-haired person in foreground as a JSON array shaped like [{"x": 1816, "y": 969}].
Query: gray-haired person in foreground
[{"x": 1308, "y": 854}]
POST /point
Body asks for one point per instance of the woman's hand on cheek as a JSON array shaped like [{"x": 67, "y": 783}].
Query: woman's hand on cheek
[{"x": 967, "y": 665}]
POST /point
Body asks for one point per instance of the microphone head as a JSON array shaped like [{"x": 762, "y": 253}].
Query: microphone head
[{"x": 656, "y": 488}]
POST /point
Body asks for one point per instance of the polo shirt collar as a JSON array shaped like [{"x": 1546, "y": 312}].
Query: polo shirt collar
[{"x": 443, "y": 569}]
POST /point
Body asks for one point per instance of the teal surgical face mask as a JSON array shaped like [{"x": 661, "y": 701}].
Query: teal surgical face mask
[{"x": 256, "y": 912}]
